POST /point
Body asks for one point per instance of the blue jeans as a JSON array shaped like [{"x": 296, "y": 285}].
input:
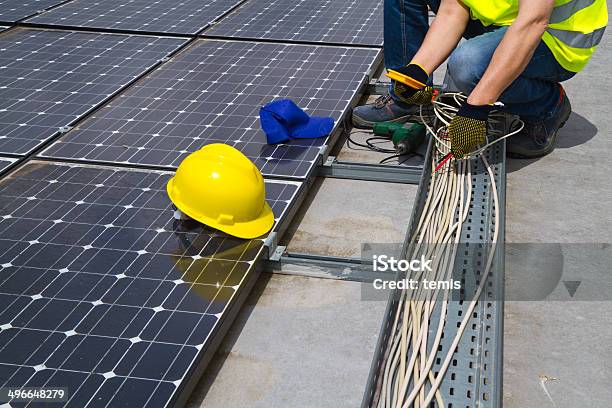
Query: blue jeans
[{"x": 533, "y": 95}]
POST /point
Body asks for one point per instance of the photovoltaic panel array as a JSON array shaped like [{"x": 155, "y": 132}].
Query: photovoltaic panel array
[
  {"x": 12, "y": 10},
  {"x": 159, "y": 16},
  {"x": 327, "y": 21},
  {"x": 103, "y": 292},
  {"x": 212, "y": 92},
  {"x": 50, "y": 78}
]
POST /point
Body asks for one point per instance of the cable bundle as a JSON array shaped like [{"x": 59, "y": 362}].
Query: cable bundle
[
  {"x": 445, "y": 112},
  {"x": 406, "y": 378}
]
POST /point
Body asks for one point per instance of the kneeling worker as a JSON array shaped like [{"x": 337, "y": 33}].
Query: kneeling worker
[{"x": 517, "y": 52}]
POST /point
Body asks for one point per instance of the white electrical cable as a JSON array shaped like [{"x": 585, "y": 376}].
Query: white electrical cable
[
  {"x": 474, "y": 301},
  {"x": 439, "y": 201},
  {"x": 407, "y": 376}
]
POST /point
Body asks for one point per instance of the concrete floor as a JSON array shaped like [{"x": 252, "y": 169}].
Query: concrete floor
[
  {"x": 565, "y": 197},
  {"x": 343, "y": 214},
  {"x": 298, "y": 342},
  {"x": 304, "y": 342}
]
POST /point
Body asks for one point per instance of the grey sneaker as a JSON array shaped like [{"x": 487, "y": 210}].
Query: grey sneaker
[
  {"x": 538, "y": 138},
  {"x": 384, "y": 109}
]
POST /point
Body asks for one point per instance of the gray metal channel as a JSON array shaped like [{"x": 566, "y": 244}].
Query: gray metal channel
[
  {"x": 474, "y": 377},
  {"x": 371, "y": 172}
]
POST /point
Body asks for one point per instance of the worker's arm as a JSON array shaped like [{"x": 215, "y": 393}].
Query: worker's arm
[
  {"x": 409, "y": 83},
  {"x": 443, "y": 35},
  {"x": 514, "y": 51}
]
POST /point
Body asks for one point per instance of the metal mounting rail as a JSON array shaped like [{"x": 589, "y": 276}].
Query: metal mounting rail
[
  {"x": 370, "y": 172},
  {"x": 474, "y": 379},
  {"x": 376, "y": 87},
  {"x": 320, "y": 266}
]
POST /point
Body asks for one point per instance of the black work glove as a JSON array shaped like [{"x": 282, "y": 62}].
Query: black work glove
[
  {"x": 468, "y": 128},
  {"x": 410, "y": 85}
]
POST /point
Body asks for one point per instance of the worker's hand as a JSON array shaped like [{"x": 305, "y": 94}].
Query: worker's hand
[
  {"x": 468, "y": 129},
  {"x": 410, "y": 85}
]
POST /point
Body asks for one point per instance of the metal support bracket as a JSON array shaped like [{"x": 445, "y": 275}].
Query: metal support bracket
[
  {"x": 370, "y": 172},
  {"x": 376, "y": 87},
  {"x": 278, "y": 252},
  {"x": 271, "y": 242},
  {"x": 320, "y": 266}
]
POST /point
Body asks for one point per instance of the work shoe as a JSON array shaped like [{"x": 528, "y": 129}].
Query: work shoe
[
  {"x": 538, "y": 138},
  {"x": 384, "y": 109}
]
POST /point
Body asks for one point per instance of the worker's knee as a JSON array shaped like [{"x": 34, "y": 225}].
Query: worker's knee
[{"x": 466, "y": 67}]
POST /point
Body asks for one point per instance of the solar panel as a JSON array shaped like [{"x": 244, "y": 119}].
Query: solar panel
[
  {"x": 102, "y": 292},
  {"x": 5, "y": 162},
  {"x": 211, "y": 92},
  {"x": 161, "y": 16},
  {"x": 49, "y": 79},
  {"x": 12, "y": 11},
  {"x": 328, "y": 21}
]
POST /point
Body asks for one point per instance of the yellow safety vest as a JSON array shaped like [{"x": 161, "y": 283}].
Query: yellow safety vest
[{"x": 574, "y": 30}]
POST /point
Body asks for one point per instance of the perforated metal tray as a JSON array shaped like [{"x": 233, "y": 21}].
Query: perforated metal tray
[{"x": 474, "y": 378}]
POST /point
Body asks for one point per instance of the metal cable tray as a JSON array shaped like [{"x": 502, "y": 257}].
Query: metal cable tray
[{"x": 474, "y": 378}]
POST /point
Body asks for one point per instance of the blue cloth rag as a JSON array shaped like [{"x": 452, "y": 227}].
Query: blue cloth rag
[{"x": 283, "y": 120}]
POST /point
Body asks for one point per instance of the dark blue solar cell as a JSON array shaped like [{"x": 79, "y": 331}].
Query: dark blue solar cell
[{"x": 5, "y": 163}]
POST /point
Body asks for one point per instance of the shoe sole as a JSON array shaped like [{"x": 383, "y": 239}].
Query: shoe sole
[{"x": 544, "y": 152}]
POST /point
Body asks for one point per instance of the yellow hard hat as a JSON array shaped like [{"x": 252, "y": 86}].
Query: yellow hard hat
[{"x": 220, "y": 187}]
